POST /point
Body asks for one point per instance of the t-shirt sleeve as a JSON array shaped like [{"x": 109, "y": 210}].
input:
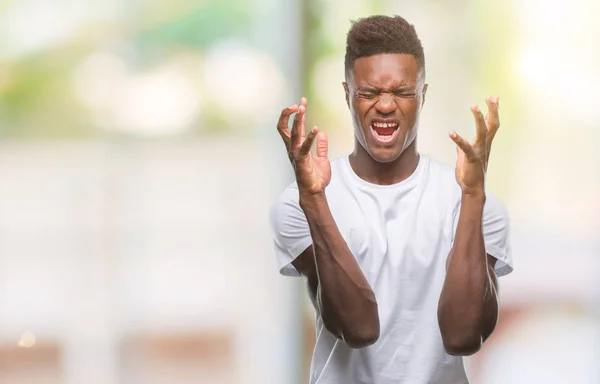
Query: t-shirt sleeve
[
  {"x": 291, "y": 234},
  {"x": 495, "y": 233}
]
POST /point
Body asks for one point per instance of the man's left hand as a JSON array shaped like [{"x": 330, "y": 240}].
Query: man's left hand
[{"x": 472, "y": 158}]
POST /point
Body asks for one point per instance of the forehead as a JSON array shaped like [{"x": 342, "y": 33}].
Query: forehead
[{"x": 386, "y": 70}]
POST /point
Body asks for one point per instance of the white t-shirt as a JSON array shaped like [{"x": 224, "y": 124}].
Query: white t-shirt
[{"x": 400, "y": 235}]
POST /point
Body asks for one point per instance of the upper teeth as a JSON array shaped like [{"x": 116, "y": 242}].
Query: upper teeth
[{"x": 384, "y": 125}]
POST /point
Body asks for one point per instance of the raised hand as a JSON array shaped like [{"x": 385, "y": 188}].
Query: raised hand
[
  {"x": 313, "y": 172},
  {"x": 472, "y": 158}
]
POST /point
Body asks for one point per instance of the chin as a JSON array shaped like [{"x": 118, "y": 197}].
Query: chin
[{"x": 385, "y": 155}]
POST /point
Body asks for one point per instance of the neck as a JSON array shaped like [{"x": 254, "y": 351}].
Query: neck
[{"x": 393, "y": 172}]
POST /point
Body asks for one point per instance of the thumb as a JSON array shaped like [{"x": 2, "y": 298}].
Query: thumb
[{"x": 322, "y": 145}]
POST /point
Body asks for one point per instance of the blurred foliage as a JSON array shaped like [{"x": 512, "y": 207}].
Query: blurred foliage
[
  {"x": 316, "y": 46},
  {"x": 200, "y": 26},
  {"x": 36, "y": 97}
]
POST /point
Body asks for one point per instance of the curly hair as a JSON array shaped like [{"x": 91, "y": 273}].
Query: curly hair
[{"x": 376, "y": 35}]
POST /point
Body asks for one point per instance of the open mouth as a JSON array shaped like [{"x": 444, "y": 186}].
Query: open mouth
[{"x": 384, "y": 132}]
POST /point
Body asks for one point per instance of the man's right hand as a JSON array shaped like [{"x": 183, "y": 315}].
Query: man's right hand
[{"x": 313, "y": 172}]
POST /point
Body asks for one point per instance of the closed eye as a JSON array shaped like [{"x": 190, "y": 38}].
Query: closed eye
[
  {"x": 405, "y": 94},
  {"x": 366, "y": 95}
]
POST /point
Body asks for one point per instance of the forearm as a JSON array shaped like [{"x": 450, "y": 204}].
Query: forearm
[
  {"x": 345, "y": 299},
  {"x": 468, "y": 305}
]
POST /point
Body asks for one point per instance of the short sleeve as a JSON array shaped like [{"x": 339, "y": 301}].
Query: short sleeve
[
  {"x": 496, "y": 233},
  {"x": 291, "y": 234}
]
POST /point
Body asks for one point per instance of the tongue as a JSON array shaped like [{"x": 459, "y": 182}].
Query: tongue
[{"x": 384, "y": 131}]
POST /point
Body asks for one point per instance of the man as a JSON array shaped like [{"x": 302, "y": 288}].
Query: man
[{"x": 400, "y": 253}]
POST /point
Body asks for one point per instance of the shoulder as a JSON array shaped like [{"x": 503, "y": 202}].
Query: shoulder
[
  {"x": 286, "y": 206},
  {"x": 494, "y": 210},
  {"x": 286, "y": 218},
  {"x": 440, "y": 184},
  {"x": 445, "y": 174},
  {"x": 340, "y": 169},
  {"x": 287, "y": 200},
  {"x": 290, "y": 193},
  {"x": 438, "y": 170}
]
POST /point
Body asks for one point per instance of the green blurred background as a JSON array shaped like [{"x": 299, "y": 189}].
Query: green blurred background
[{"x": 139, "y": 156}]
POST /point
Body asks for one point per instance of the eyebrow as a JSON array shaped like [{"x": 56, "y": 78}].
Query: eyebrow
[
  {"x": 367, "y": 89},
  {"x": 401, "y": 87}
]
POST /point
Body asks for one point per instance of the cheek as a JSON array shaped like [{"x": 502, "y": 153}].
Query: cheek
[
  {"x": 357, "y": 114},
  {"x": 410, "y": 109}
]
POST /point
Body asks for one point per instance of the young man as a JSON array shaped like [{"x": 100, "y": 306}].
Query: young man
[{"x": 400, "y": 253}]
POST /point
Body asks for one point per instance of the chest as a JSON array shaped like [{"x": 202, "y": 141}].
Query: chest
[{"x": 405, "y": 236}]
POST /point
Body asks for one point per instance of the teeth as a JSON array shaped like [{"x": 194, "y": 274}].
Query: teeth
[{"x": 385, "y": 125}]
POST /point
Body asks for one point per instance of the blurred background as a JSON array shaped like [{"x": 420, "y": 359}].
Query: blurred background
[{"x": 139, "y": 156}]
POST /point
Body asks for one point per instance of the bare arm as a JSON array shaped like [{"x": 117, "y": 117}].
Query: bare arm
[
  {"x": 339, "y": 290},
  {"x": 468, "y": 306}
]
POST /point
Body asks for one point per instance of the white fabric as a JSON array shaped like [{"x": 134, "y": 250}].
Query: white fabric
[{"x": 401, "y": 235}]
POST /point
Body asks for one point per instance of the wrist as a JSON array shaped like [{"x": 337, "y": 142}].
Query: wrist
[
  {"x": 474, "y": 196},
  {"x": 312, "y": 199}
]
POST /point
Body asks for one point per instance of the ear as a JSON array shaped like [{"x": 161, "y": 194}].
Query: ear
[
  {"x": 424, "y": 93},
  {"x": 347, "y": 90}
]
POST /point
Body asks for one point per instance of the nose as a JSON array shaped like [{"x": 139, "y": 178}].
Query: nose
[{"x": 385, "y": 104}]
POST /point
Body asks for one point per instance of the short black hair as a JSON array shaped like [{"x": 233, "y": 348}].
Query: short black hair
[{"x": 375, "y": 35}]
